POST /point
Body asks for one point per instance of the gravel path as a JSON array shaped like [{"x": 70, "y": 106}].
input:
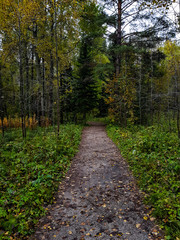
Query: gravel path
[{"x": 99, "y": 198}]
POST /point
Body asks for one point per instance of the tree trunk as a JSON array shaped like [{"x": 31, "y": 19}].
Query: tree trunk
[
  {"x": 119, "y": 37},
  {"x": 2, "y": 126},
  {"x": 43, "y": 89},
  {"x": 38, "y": 76},
  {"x": 178, "y": 122},
  {"x": 27, "y": 81},
  {"x": 32, "y": 82},
  {"x": 1, "y": 104},
  {"x": 57, "y": 72},
  {"x": 140, "y": 89},
  {"x": 151, "y": 101},
  {"x": 51, "y": 117},
  {"x": 21, "y": 81},
  {"x": 177, "y": 77},
  {"x": 61, "y": 101}
]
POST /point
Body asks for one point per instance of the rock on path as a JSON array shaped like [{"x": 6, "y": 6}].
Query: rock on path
[{"x": 98, "y": 199}]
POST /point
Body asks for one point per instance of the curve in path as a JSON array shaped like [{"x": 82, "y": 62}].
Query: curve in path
[{"x": 98, "y": 199}]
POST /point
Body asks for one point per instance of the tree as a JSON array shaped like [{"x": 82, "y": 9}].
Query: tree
[
  {"x": 134, "y": 22},
  {"x": 42, "y": 36},
  {"x": 87, "y": 85},
  {"x": 122, "y": 90},
  {"x": 171, "y": 78}
]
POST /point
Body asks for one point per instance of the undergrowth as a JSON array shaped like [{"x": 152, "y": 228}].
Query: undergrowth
[
  {"x": 30, "y": 172},
  {"x": 154, "y": 158}
]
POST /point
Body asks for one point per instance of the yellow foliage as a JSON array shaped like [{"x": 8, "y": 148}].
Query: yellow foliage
[
  {"x": 122, "y": 93},
  {"x": 30, "y": 122}
]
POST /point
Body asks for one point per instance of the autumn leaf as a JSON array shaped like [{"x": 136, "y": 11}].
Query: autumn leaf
[{"x": 138, "y": 225}]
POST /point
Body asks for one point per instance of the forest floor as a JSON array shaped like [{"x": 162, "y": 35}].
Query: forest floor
[{"x": 99, "y": 198}]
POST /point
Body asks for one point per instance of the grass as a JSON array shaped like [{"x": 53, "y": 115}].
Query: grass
[
  {"x": 104, "y": 120},
  {"x": 30, "y": 172},
  {"x": 154, "y": 158}
]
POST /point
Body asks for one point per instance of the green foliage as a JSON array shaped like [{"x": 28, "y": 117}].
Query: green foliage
[
  {"x": 30, "y": 174},
  {"x": 154, "y": 158},
  {"x": 88, "y": 83}
]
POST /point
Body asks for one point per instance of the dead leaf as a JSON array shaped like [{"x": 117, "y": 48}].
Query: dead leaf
[{"x": 138, "y": 225}]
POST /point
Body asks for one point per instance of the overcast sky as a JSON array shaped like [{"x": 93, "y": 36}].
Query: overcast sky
[{"x": 172, "y": 14}]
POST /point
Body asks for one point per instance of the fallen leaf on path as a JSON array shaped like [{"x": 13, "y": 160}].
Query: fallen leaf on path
[{"x": 138, "y": 225}]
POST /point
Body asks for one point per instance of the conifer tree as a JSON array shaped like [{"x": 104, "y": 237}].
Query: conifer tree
[{"x": 86, "y": 86}]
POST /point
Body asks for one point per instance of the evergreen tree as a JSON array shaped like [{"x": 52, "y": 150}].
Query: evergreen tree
[{"x": 87, "y": 84}]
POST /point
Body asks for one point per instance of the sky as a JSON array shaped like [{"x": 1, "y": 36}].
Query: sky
[{"x": 172, "y": 14}]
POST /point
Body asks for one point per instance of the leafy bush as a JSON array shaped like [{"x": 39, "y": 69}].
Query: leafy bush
[
  {"x": 154, "y": 157},
  {"x": 30, "y": 172}
]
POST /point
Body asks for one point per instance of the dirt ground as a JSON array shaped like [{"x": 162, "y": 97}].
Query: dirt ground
[{"x": 99, "y": 198}]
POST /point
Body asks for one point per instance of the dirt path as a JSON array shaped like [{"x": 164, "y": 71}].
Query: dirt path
[{"x": 98, "y": 199}]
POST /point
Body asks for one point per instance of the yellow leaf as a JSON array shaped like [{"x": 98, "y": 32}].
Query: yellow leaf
[{"x": 138, "y": 225}]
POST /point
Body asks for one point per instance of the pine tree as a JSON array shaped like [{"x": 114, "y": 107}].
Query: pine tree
[{"x": 86, "y": 86}]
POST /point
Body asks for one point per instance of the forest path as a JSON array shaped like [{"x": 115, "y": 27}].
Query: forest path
[{"x": 98, "y": 199}]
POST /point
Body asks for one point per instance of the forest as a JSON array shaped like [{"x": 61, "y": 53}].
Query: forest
[{"x": 65, "y": 62}]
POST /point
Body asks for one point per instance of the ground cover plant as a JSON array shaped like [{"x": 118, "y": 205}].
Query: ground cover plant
[
  {"x": 154, "y": 158},
  {"x": 30, "y": 172}
]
